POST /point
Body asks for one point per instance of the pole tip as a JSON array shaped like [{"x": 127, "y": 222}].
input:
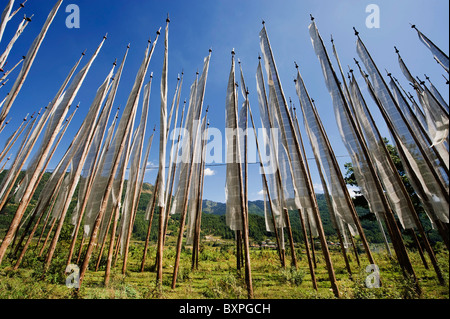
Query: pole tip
[
  {"x": 311, "y": 17},
  {"x": 356, "y": 32}
]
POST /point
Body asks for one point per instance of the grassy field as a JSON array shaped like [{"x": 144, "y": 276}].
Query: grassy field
[{"x": 217, "y": 277}]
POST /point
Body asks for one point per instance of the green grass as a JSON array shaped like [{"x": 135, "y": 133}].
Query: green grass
[{"x": 217, "y": 277}]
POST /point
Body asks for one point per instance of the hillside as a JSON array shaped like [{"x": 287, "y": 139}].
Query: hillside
[{"x": 213, "y": 219}]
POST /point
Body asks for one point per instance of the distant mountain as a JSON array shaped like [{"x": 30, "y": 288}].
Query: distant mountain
[
  {"x": 214, "y": 208},
  {"x": 254, "y": 207}
]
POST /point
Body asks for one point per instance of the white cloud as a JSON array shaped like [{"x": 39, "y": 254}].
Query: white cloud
[
  {"x": 318, "y": 188},
  {"x": 151, "y": 164},
  {"x": 261, "y": 192},
  {"x": 209, "y": 172},
  {"x": 352, "y": 189}
]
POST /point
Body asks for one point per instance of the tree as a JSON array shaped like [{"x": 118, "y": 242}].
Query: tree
[{"x": 361, "y": 201}]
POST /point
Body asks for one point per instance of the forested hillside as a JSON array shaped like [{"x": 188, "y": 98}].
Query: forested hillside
[{"x": 213, "y": 219}]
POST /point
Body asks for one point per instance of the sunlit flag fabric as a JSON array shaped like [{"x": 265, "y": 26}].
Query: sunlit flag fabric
[
  {"x": 186, "y": 147},
  {"x": 163, "y": 128},
  {"x": 10, "y": 45},
  {"x": 440, "y": 56},
  {"x": 195, "y": 186},
  {"x": 113, "y": 156},
  {"x": 323, "y": 154},
  {"x": 435, "y": 114},
  {"x": 233, "y": 186},
  {"x": 95, "y": 156},
  {"x": 33, "y": 137},
  {"x": 5, "y": 17},
  {"x": 132, "y": 191},
  {"x": 435, "y": 195},
  {"x": 348, "y": 135},
  {"x": 29, "y": 59},
  {"x": 270, "y": 143},
  {"x": 380, "y": 158},
  {"x": 439, "y": 161},
  {"x": 297, "y": 196},
  {"x": 196, "y": 96},
  {"x": 57, "y": 111}
]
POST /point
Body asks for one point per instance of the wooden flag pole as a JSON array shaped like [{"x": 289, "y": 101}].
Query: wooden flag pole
[
  {"x": 115, "y": 212},
  {"x": 128, "y": 125},
  {"x": 267, "y": 188},
  {"x": 68, "y": 120},
  {"x": 44, "y": 152},
  {"x": 312, "y": 242},
  {"x": 308, "y": 254},
  {"x": 330, "y": 205},
  {"x": 172, "y": 178},
  {"x": 196, "y": 241},
  {"x": 152, "y": 209},
  {"x": 410, "y": 205},
  {"x": 102, "y": 246},
  {"x": 183, "y": 213}
]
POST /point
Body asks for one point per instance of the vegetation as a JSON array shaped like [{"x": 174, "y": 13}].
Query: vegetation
[{"x": 218, "y": 278}]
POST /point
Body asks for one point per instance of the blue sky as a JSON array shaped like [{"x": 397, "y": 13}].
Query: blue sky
[{"x": 197, "y": 26}]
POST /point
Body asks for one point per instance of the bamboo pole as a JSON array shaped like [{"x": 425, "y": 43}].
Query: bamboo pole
[
  {"x": 327, "y": 197},
  {"x": 403, "y": 189},
  {"x": 340, "y": 178},
  {"x": 27, "y": 195},
  {"x": 419, "y": 248},
  {"x": 68, "y": 120},
  {"x": 183, "y": 213},
  {"x": 115, "y": 212},
  {"x": 355, "y": 249},
  {"x": 77, "y": 173},
  {"x": 102, "y": 246},
  {"x": 266, "y": 187},
  {"x": 48, "y": 235},
  {"x": 12, "y": 139},
  {"x": 303, "y": 152},
  {"x": 244, "y": 205},
  {"x": 395, "y": 233},
  {"x": 196, "y": 241},
  {"x": 312, "y": 242},
  {"x": 152, "y": 209},
  {"x": 107, "y": 276},
  {"x": 172, "y": 178},
  {"x": 128, "y": 125}
]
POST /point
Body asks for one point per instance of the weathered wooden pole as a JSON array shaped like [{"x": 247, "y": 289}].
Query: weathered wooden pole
[{"x": 151, "y": 211}]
